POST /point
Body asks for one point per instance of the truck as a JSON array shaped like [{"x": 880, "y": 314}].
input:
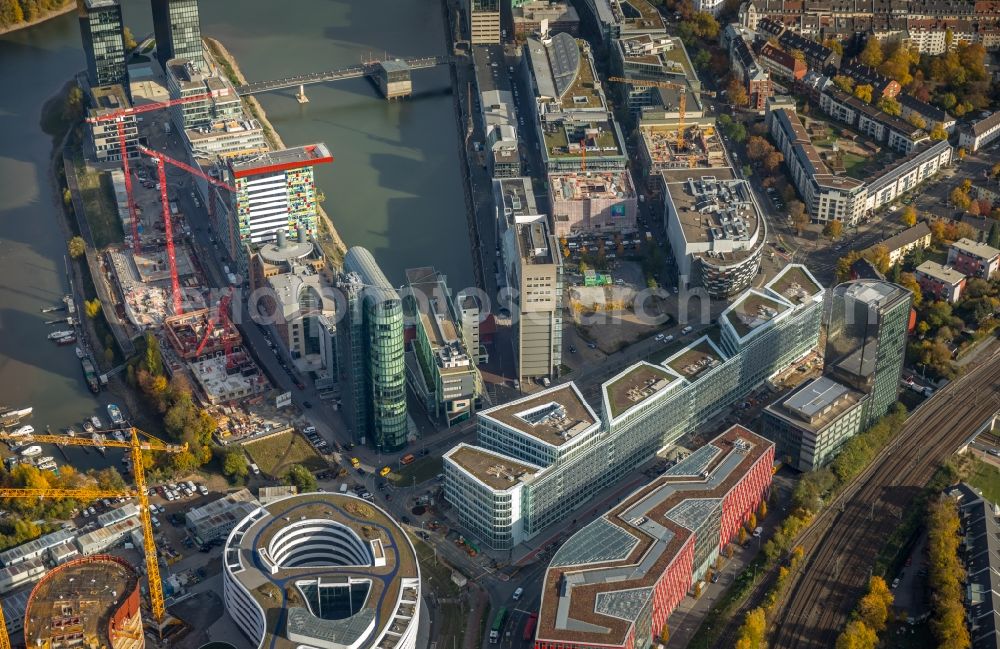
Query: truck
[
  {"x": 498, "y": 623},
  {"x": 529, "y": 627}
]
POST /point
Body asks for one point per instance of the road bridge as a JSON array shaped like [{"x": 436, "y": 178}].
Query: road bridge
[{"x": 392, "y": 75}]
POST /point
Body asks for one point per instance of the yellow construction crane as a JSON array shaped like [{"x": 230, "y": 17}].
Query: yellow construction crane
[
  {"x": 136, "y": 445},
  {"x": 681, "y": 101}
]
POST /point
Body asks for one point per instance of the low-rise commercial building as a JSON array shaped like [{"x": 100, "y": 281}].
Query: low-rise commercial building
[
  {"x": 107, "y": 537},
  {"x": 19, "y": 574},
  {"x": 532, "y": 268},
  {"x": 593, "y": 202},
  {"x": 974, "y": 258},
  {"x": 35, "y": 548},
  {"x": 440, "y": 368},
  {"x": 118, "y": 514},
  {"x": 559, "y": 16},
  {"x": 940, "y": 282},
  {"x": 615, "y": 582},
  {"x": 544, "y": 456},
  {"x": 981, "y": 133},
  {"x": 215, "y": 520},
  {"x": 715, "y": 228},
  {"x": 811, "y": 425}
]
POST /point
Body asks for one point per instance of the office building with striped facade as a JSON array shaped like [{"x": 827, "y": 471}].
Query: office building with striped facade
[
  {"x": 615, "y": 582},
  {"x": 274, "y": 191},
  {"x": 542, "y": 457}
]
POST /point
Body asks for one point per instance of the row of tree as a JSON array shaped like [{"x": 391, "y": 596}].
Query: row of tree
[
  {"x": 19, "y": 12},
  {"x": 183, "y": 420},
  {"x": 956, "y": 80},
  {"x": 945, "y": 575},
  {"x": 869, "y": 618},
  {"x": 816, "y": 488},
  {"x": 25, "y": 516}
]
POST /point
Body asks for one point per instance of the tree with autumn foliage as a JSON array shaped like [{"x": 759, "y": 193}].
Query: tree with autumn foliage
[
  {"x": 753, "y": 631},
  {"x": 872, "y": 54},
  {"x": 864, "y": 93},
  {"x": 736, "y": 92},
  {"x": 909, "y": 216},
  {"x": 946, "y": 575}
]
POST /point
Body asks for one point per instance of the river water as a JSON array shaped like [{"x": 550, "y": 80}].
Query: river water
[{"x": 395, "y": 186}]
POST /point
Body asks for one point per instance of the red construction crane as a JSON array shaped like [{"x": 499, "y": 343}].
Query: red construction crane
[
  {"x": 222, "y": 316},
  {"x": 186, "y": 167},
  {"x": 118, "y": 116}
]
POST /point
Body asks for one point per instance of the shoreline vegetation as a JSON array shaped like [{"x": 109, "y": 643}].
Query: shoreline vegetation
[
  {"x": 17, "y": 14},
  {"x": 329, "y": 239}
]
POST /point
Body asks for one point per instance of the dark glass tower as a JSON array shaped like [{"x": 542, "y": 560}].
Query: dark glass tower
[
  {"x": 866, "y": 340},
  {"x": 103, "y": 42},
  {"x": 177, "y": 30}
]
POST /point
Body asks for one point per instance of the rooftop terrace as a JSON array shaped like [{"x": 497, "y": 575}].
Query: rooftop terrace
[
  {"x": 496, "y": 471},
  {"x": 564, "y": 140},
  {"x": 554, "y": 416},
  {"x": 695, "y": 359},
  {"x": 300, "y": 156},
  {"x": 795, "y": 284},
  {"x": 635, "y": 386},
  {"x": 579, "y": 186},
  {"x": 753, "y": 310}
]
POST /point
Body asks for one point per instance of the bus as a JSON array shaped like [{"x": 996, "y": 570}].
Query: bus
[
  {"x": 497, "y": 627},
  {"x": 529, "y": 627}
]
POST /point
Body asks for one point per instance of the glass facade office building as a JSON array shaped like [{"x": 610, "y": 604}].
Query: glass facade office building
[
  {"x": 866, "y": 340},
  {"x": 103, "y": 41},
  {"x": 644, "y": 409},
  {"x": 177, "y": 30},
  {"x": 370, "y": 354}
]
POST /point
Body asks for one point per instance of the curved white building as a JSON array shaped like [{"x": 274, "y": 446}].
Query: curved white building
[{"x": 322, "y": 570}]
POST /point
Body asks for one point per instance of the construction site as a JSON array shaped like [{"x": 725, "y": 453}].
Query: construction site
[
  {"x": 696, "y": 146},
  {"x": 92, "y": 602},
  {"x": 207, "y": 346}
]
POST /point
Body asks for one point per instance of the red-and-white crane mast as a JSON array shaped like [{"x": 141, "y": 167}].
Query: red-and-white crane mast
[
  {"x": 168, "y": 228},
  {"x": 118, "y": 117},
  {"x": 222, "y": 316}
]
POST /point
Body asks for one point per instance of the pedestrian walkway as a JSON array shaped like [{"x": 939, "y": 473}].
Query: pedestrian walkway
[{"x": 479, "y": 606}]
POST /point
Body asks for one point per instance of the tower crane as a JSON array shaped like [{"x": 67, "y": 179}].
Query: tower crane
[
  {"x": 168, "y": 228},
  {"x": 118, "y": 116},
  {"x": 681, "y": 101},
  {"x": 222, "y": 317},
  {"x": 139, "y": 441}
]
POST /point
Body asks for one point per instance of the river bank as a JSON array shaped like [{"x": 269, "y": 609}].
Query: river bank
[
  {"x": 48, "y": 15},
  {"x": 333, "y": 245}
]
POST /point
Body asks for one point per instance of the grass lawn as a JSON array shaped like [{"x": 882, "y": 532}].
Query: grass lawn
[
  {"x": 853, "y": 163},
  {"x": 422, "y": 470},
  {"x": 986, "y": 478},
  {"x": 275, "y": 455},
  {"x": 99, "y": 203}
]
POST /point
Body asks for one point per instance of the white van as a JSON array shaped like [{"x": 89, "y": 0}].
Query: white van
[
  {"x": 254, "y": 468},
  {"x": 343, "y": 488},
  {"x": 686, "y": 330}
]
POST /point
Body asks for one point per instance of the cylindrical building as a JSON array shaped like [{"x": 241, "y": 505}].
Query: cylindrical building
[
  {"x": 89, "y": 602},
  {"x": 322, "y": 570}
]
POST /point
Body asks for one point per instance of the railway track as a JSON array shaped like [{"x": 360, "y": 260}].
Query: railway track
[{"x": 842, "y": 543}]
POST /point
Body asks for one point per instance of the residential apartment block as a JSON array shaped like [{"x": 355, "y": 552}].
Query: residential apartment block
[
  {"x": 981, "y": 133},
  {"x": 899, "y": 135},
  {"x": 541, "y": 457},
  {"x": 974, "y": 258},
  {"x": 899, "y": 245},
  {"x": 940, "y": 282}
]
